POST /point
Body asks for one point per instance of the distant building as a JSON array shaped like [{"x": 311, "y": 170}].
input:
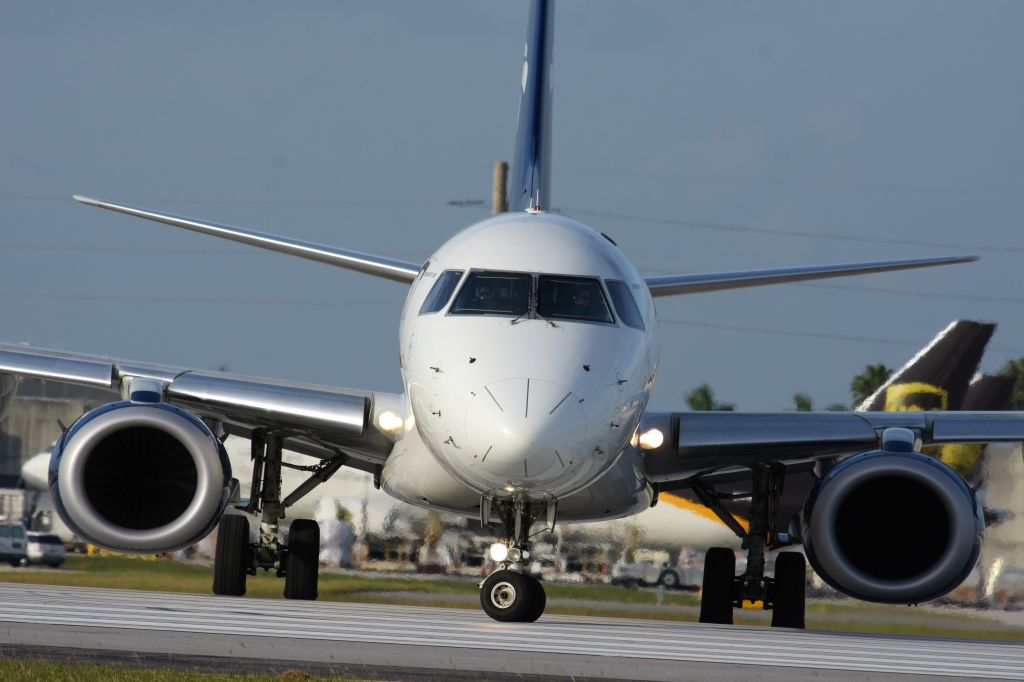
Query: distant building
[{"x": 32, "y": 422}]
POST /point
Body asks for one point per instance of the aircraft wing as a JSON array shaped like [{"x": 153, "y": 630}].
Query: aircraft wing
[
  {"x": 379, "y": 266},
  {"x": 315, "y": 420},
  {"x": 674, "y": 285},
  {"x": 698, "y": 442}
]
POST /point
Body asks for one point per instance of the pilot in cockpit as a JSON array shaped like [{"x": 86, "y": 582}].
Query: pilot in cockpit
[
  {"x": 483, "y": 294},
  {"x": 582, "y": 302}
]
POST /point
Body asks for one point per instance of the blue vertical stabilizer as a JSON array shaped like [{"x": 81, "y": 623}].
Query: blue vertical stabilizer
[{"x": 530, "y": 182}]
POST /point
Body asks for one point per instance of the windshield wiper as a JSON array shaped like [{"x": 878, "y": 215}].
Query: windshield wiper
[
  {"x": 541, "y": 317},
  {"x": 523, "y": 316}
]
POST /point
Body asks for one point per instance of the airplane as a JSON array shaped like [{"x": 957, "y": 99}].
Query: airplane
[
  {"x": 528, "y": 350},
  {"x": 943, "y": 368}
]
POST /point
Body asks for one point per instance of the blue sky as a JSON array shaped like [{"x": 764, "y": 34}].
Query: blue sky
[{"x": 701, "y": 135}]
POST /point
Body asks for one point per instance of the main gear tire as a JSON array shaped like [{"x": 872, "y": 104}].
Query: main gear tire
[
  {"x": 716, "y": 592},
  {"x": 790, "y": 587},
  {"x": 302, "y": 563},
  {"x": 232, "y": 556}
]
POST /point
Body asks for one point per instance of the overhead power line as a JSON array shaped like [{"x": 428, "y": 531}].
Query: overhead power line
[
  {"x": 217, "y": 300},
  {"x": 814, "y": 335},
  {"x": 974, "y": 298},
  {"x": 896, "y": 188},
  {"x": 229, "y": 201},
  {"x": 806, "y": 234},
  {"x": 478, "y": 203}
]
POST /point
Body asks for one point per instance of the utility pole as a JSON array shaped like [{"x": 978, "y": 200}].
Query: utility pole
[{"x": 499, "y": 197}]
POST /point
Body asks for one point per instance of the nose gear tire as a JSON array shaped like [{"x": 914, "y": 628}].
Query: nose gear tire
[
  {"x": 540, "y": 599},
  {"x": 302, "y": 565},
  {"x": 512, "y": 597},
  {"x": 231, "y": 559}
]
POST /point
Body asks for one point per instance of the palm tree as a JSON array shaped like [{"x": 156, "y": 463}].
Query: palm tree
[
  {"x": 1015, "y": 369},
  {"x": 869, "y": 381},
  {"x": 802, "y": 402},
  {"x": 702, "y": 399}
]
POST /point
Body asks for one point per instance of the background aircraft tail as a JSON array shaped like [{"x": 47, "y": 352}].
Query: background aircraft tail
[
  {"x": 937, "y": 378},
  {"x": 530, "y": 182}
]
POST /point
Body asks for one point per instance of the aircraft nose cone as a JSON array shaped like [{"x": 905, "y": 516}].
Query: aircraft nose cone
[{"x": 521, "y": 429}]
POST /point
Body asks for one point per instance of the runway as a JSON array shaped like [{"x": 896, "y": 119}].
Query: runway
[{"x": 361, "y": 637}]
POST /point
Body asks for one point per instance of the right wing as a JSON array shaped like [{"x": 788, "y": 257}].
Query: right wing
[
  {"x": 316, "y": 420},
  {"x": 675, "y": 285},
  {"x": 388, "y": 268},
  {"x": 696, "y": 443}
]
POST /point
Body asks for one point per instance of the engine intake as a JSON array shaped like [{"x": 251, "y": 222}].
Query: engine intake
[
  {"x": 140, "y": 477},
  {"x": 894, "y": 527}
]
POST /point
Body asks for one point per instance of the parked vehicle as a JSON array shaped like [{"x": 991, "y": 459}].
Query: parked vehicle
[
  {"x": 45, "y": 548},
  {"x": 648, "y": 573},
  {"x": 12, "y": 543},
  {"x": 635, "y": 574}
]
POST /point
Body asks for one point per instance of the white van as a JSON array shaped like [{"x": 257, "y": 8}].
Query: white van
[
  {"x": 12, "y": 543},
  {"x": 45, "y": 548}
]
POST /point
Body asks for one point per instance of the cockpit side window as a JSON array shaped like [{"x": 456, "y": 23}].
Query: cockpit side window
[
  {"x": 441, "y": 292},
  {"x": 625, "y": 304},
  {"x": 572, "y": 298},
  {"x": 494, "y": 293}
]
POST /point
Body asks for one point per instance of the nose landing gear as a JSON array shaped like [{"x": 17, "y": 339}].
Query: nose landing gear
[{"x": 510, "y": 594}]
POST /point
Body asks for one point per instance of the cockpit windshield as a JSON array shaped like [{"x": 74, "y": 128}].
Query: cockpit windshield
[
  {"x": 572, "y": 298},
  {"x": 494, "y": 293}
]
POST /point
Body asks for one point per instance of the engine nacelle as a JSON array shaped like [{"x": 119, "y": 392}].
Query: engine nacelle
[
  {"x": 893, "y": 527},
  {"x": 138, "y": 477}
]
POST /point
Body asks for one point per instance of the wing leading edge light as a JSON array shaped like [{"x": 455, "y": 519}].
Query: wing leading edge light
[{"x": 529, "y": 349}]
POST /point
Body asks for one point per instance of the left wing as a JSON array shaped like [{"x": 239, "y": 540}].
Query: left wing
[
  {"x": 674, "y": 285},
  {"x": 699, "y": 442},
  {"x": 388, "y": 268},
  {"x": 315, "y": 420}
]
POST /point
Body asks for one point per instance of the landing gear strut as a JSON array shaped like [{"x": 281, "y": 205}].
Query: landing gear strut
[
  {"x": 511, "y": 594},
  {"x": 723, "y": 590},
  {"x": 298, "y": 561}
]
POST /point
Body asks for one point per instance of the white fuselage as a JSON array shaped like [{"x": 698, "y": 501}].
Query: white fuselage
[{"x": 537, "y": 403}]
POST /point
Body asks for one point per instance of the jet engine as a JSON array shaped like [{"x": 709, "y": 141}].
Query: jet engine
[
  {"x": 893, "y": 525},
  {"x": 140, "y": 477}
]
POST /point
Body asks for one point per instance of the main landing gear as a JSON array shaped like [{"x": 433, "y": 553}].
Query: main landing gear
[
  {"x": 723, "y": 590},
  {"x": 298, "y": 561},
  {"x": 510, "y": 594}
]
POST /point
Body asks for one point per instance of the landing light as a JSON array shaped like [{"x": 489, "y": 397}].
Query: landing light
[
  {"x": 651, "y": 439},
  {"x": 498, "y": 552},
  {"x": 390, "y": 421}
]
